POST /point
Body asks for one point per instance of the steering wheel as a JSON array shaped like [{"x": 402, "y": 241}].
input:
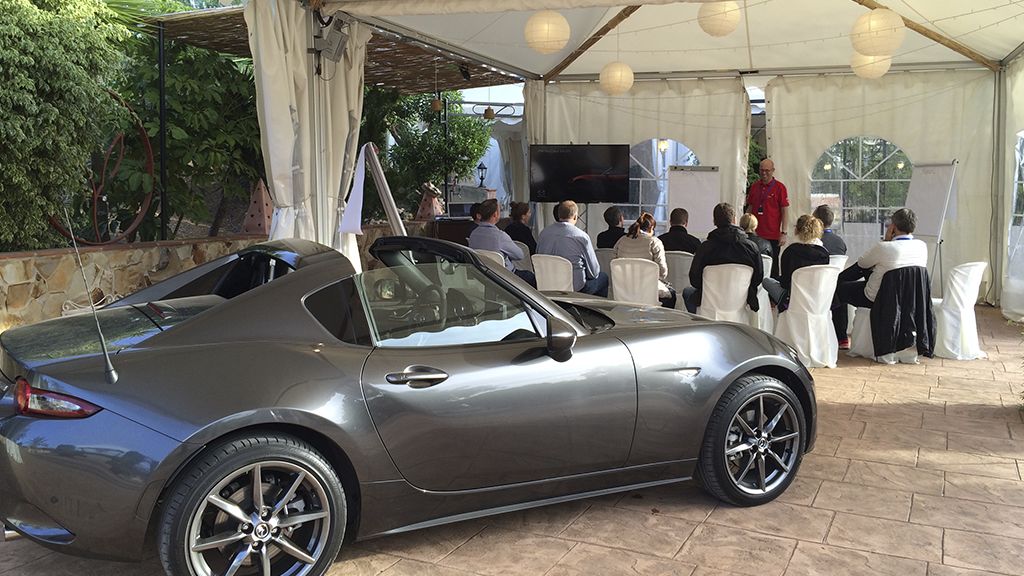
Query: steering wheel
[{"x": 438, "y": 304}]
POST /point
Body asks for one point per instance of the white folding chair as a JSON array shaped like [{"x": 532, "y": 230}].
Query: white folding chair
[
  {"x": 553, "y": 272},
  {"x": 604, "y": 258},
  {"x": 955, "y": 325},
  {"x": 526, "y": 263},
  {"x": 763, "y": 319},
  {"x": 862, "y": 343},
  {"x": 679, "y": 273},
  {"x": 724, "y": 292},
  {"x": 807, "y": 324},
  {"x": 838, "y": 260},
  {"x": 491, "y": 255},
  {"x": 635, "y": 280}
]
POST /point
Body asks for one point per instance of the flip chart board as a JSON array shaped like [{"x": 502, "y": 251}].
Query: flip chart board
[
  {"x": 932, "y": 193},
  {"x": 698, "y": 189}
]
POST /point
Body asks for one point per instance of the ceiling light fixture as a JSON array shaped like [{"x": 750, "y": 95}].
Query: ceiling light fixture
[{"x": 547, "y": 32}]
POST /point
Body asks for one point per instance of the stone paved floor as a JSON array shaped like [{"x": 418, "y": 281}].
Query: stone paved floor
[{"x": 918, "y": 470}]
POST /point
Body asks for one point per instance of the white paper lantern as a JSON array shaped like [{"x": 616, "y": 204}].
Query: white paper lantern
[
  {"x": 870, "y": 67},
  {"x": 616, "y": 78},
  {"x": 878, "y": 33},
  {"x": 718, "y": 18},
  {"x": 547, "y": 32}
]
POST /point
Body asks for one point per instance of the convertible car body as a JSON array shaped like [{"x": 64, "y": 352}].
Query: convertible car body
[{"x": 273, "y": 404}]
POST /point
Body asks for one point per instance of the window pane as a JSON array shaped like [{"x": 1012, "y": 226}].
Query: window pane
[
  {"x": 894, "y": 194},
  {"x": 650, "y": 192},
  {"x": 831, "y": 189},
  {"x": 861, "y": 194}
]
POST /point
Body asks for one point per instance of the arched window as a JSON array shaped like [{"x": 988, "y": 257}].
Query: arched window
[
  {"x": 864, "y": 179},
  {"x": 648, "y": 177}
]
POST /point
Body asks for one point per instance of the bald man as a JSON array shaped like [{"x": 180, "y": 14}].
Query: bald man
[{"x": 768, "y": 200}]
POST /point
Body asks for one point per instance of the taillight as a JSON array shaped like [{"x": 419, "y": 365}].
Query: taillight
[{"x": 36, "y": 402}]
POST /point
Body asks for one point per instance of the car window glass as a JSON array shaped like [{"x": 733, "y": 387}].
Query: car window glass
[
  {"x": 421, "y": 301},
  {"x": 337, "y": 308}
]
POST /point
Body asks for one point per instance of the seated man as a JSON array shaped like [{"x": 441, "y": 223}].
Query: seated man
[
  {"x": 487, "y": 236},
  {"x": 726, "y": 244},
  {"x": 608, "y": 238},
  {"x": 829, "y": 239},
  {"x": 897, "y": 250},
  {"x": 677, "y": 238},
  {"x": 566, "y": 240}
]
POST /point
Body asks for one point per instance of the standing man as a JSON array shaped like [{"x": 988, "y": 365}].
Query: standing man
[
  {"x": 564, "y": 239},
  {"x": 768, "y": 200},
  {"x": 487, "y": 236},
  {"x": 677, "y": 238}
]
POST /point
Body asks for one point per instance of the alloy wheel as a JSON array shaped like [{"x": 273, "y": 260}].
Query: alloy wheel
[{"x": 763, "y": 444}]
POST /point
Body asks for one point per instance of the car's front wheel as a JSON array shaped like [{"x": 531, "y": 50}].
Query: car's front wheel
[
  {"x": 265, "y": 505},
  {"x": 753, "y": 443}
]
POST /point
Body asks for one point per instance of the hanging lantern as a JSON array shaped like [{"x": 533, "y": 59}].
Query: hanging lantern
[
  {"x": 547, "y": 32},
  {"x": 878, "y": 33},
  {"x": 436, "y": 105},
  {"x": 489, "y": 113},
  {"x": 718, "y": 18},
  {"x": 870, "y": 67},
  {"x": 616, "y": 78}
]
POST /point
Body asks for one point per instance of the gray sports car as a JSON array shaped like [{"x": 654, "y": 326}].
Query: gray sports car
[{"x": 273, "y": 404}]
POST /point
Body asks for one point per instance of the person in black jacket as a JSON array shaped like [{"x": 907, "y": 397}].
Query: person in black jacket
[
  {"x": 518, "y": 229},
  {"x": 748, "y": 223},
  {"x": 726, "y": 244},
  {"x": 807, "y": 251},
  {"x": 608, "y": 238},
  {"x": 829, "y": 239},
  {"x": 677, "y": 238}
]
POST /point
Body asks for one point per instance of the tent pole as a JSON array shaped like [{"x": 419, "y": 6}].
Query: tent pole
[
  {"x": 1000, "y": 186},
  {"x": 165, "y": 214}
]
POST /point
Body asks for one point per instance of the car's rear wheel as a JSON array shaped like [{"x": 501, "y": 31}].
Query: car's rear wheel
[
  {"x": 263, "y": 505},
  {"x": 754, "y": 442}
]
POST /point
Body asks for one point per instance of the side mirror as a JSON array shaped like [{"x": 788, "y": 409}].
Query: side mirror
[{"x": 561, "y": 339}]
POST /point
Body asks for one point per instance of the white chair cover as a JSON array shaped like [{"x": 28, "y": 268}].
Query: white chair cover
[
  {"x": 526, "y": 263},
  {"x": 491, "y": 255},
  {"x": 862, "y": 344},
  {"x": 553, "y": 272},
  {"x": 604, "y": 258},
  {"x": 807, "y": 324},
  {"x": 838, "y": 260},
  {"x": 724, "y": 293},
  {"x": 635, "y": 280},
  {"x": 679, "y": 273},
  {"x": 763, "y": 318},
  {"x": 955, "y": 326}
]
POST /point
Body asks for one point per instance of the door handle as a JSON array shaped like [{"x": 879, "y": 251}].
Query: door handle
[{"x": 417, "y": 376}]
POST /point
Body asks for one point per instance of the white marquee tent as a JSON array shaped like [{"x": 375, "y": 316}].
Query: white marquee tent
[{"x": 955, "y": 90}]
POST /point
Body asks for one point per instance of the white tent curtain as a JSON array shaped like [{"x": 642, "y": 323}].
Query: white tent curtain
[
  {"x": 1012, "y": 300},
  {"x": 534, "y": 114},
  {"x": 933, "y": 116},
  {"x": 711, "y": 117},
  {"x": 278, "y": 37},
  {"x": 511, "y": 143}
]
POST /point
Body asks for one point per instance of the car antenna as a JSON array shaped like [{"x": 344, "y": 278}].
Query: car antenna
[{"x": 110, "y": 373}]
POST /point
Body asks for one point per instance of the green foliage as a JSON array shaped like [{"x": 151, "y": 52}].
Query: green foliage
[
  {"x": 55, "y": 56},
  {"x": 755, "y": 155}
]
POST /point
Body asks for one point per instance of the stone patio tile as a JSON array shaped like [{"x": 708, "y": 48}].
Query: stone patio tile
[
  {"x": 17, "y": 553},
  {"x": 646, "y": 533},
  {"x": 507, "y": 552},
  {"x": 889, "y": 414},
  {"x": 428, "y": 545},
  {"x": 735, "y": 550},
  {"x": 983, "y": 552},
  {"x": 407, "y": 567},
  {"x": 865, "y": 500},
  {"x": 355, "y": 561},
  {"x": 823, "y": 467},
  {"x": 587, "y": 560},
  {"x": 998, "y": 386},
  {"x": 844, "y": 428},
  {"x": 839, "y": 382},
  {"x": 913, "y": 386},
  {"x": 877, "y": 451},
  {"x": 802, "y": 491},
  {"x": 776, "y": 518},
  {"x": 894, "y": 434},
  {"x": 835, "y": 412},
  {"x": 895, "y": 477},
  {"x": 992, "y": 428},
  {"x": 984, "y": 489},
  {"x": 959, "y": 372},
  {"x": 984, "y": 412},
  {"x": 544, "y": 520},
  {"x": 986, "y": 517},
  {"x": 903, "y": 402},
  {"x": 942, "y": 570},
  {"x": 978, "y": 464},
  {"x": 702, "y": 571},
  {"x": 826, "y": 444},
  {"x": 986, "y": 445},
  {"x": 820, "y": 559},
  {"x": 687, "y": 501},
  {"x": 840, "y": 396},
  {"x": 965, "y": 396},
  {"x": 886, "y": 537}
]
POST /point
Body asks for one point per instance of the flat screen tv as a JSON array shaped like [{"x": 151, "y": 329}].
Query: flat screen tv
[{"x": 584, "y": 173}]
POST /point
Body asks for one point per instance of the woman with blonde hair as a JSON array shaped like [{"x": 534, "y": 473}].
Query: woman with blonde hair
[
  {"x": 640, "y": 242},
  {"x": 748, "y": 222},
  {"x": 806, "y": 251}
]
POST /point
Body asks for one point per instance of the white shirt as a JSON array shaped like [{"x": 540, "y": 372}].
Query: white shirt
[{"x": 899, "y": 252}]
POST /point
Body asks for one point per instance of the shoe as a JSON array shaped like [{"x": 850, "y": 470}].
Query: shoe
[{"x": 844, "y": 344}]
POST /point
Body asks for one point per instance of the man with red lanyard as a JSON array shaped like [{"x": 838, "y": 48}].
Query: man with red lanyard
[{"x": 768, "y": 200}]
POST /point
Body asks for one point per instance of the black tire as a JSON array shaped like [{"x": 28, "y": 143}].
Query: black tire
[
  {"x": 300, "y": 497},
  {"x": 760, "y": 473}
]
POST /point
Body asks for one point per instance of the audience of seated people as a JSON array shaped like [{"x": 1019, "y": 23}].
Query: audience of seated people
[
  {"x": 640, "y": 242},
  {"x": 677, "y": 238},
  {"x": 806, "y": 251},
  {"x": 564, "y": 239},
  {"x": 487, "y": 236},
  {"x": 726, "y": 244},
  {"x": 518, "y": 229},
  {"x": 748, "y": 223},
  {"x": 859, "y": 283},
  {"x": 613, "y": 217}
]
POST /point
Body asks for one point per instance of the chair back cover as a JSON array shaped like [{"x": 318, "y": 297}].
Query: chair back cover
[
  {"x": 491, "y": 255},
  {"x": 604, "y": 259},
  {"x": 526, "y": 263},
  {"x": 838, "y": 260},
  {"x": 763, "y": 319},
  {"x": 553, "y": 272},
  {"x": 807, "y": 324},
  {"x": 635, "y": 280},
  {"x": 955, "y": 323},
  {"x": 679, "y": 273},
  {"x": 724, "y": 293}
]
